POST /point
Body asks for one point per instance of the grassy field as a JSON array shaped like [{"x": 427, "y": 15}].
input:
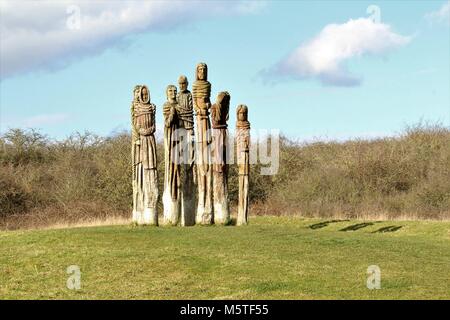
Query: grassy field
[{"x": 272, "y": 258}]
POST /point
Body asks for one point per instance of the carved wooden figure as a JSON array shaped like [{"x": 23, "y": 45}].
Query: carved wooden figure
[
  {"x": 171, "y": 194},
  {"x": 219, "y": 117},
  {"x": 201, "y": 92},
  {"x": 186, "y": 124},
  {"x": 243, "y": 151},
  {"x": 145, "y": 179}
]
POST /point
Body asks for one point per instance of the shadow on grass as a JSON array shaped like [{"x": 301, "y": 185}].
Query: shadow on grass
[
  {"x": 358, "y": 226},
  {"x": 324, "y": 224},
  {"x": 388, "y": 229}
]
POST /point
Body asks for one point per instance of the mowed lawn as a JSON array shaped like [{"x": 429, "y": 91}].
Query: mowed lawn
[{"x": 272, "y": 258}]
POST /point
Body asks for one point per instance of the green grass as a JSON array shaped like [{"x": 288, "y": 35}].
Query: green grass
[{"x": 272, "y": 258}]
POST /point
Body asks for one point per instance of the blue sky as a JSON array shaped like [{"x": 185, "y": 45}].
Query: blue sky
[{"x": 399, "y": 66}]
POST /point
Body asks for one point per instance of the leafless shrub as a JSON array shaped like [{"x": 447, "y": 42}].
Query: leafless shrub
[{"x": 87, "y": 178}]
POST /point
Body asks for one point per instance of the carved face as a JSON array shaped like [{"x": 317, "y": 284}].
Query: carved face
[
  {"x": 172, "y": 93},
  {"x": 144, "y": 94},
  {"x": 242, "y": 114},
  {"x": 136, "y": 93},
  {"x": 183, "y": 84},
  {"x": 201, "y": 72}
]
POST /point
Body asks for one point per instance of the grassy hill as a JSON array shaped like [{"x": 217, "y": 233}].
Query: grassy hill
[{"x": 272, "y": 258}]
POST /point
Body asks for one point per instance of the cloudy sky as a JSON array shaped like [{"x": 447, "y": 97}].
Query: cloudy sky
[{"x": 325, "y": 69}]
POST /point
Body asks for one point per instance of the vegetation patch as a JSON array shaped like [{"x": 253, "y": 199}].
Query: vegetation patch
[{"x": 126, "y": 262}]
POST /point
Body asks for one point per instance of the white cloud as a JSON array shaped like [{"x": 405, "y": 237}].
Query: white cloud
[
  {"x": 38, "y": 34},
  {"x": 440, "y": 16},
  {"x": 324, "y": 56}
]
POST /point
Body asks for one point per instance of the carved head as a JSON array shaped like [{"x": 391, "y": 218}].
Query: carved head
[
  {"x": 201, "y": 71},
  {"x": 183, "y": 83},
  {"x": 223, "y": 99},
  {"x": 242, "y": 112},
  {"x": 171, "y": 93},
  {"x": 144, "y": 95},
  {"x": 136, "y": 92}
]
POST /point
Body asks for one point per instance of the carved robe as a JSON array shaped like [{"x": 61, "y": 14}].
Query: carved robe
[
  {"x": 219, "y": 116},
  {"x": 243, "y": 151},
  {"x": 145, "y": 179},
  {"x": 186, "y": 124},
  {"x": 201, "y": 91},
  {"x": 171, "y": 196},
  {"x": 202, "y": 104}
]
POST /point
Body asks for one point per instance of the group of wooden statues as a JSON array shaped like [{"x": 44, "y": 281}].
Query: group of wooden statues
[{"x": 191, "y": 158}]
